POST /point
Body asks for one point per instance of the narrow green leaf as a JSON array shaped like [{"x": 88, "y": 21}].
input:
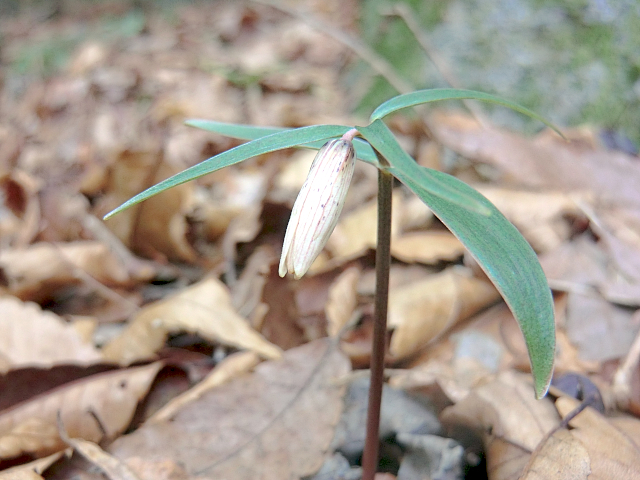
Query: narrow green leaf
[
  {"x": 502, "y": 252},
  {"x": 249, "y": 132},
  {"x": 270, "y": 143},
  {"x": 235, "y": 130},
  {"x": 436, "y": 94}
]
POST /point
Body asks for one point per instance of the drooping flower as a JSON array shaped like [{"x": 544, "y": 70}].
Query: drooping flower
[{"x": 318, "y": 205}]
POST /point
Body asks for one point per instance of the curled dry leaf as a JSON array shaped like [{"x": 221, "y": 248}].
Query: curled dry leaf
[
  {"x": 157, "y": 225},
  {"x": 36, "y": 271},
  {"x": 511, "y": 420},
  {"x": 32, "y": 337},
  {"x": 256, "y": 426},
  {"x": 613, "y": 453},
  {"x": 31, "y": 427},
  {"x": 204, "y": 308},
  {"x": 420, "y": 311}
]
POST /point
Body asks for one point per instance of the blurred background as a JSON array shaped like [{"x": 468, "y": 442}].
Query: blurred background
[{"x": 573, "y": 61}]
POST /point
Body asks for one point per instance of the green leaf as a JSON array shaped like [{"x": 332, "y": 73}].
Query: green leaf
[
  {"x": 270, "y": 143},
  {"x": 502, "y": 252},
  {"x": 363, "y": 151},
  {"x": 436, "y": 94},
  {"x": 249, "y": 132},
  {"x": 235, "y": 130}
]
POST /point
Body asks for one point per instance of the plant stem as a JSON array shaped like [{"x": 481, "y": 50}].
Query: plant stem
[{"x": 383, "y": 259}]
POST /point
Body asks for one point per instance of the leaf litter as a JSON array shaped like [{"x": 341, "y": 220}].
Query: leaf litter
[{"x": 190, "y": 277}]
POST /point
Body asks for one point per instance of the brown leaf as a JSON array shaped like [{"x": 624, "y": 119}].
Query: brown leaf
[
  {"x": 33, "y": 273},
  {"x": 577, "y": 266},
  {"x": 20, "y": 474},
  {"x": 31, "y": 470},
  {"x": 545, "y": 161},
  {"x": 19, "y": 208},
  {"x": 356, "y": 233},
  {"x": 343, "y": 300},
  {"x": 112, "y": 467},
  {"x": 231, "y": 367},
  {"x": 157, "y": 225},
  {"x": 561, "y": 457},
  {"x": 613, "y": 454},
  {"x": 257, "y": 426},
  {"x": 247, "y": 292},
  {"x": 32, "y": 337},
  {"x": 160, "y": 469},
  {"x": 420, "y": 311},
  {"x": 31, "y": 427},
  {"x": 540, "y": 216},
  {"x": 204, "y": 308},
  {"x": 426, "y": 247},
  {"x": 511, "y": 420}
]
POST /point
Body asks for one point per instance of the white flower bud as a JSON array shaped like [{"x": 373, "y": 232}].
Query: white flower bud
[{"x": 316, "y": 210}]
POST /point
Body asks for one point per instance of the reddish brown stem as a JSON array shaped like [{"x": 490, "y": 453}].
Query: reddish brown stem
[{"x": 383, "y": 260}]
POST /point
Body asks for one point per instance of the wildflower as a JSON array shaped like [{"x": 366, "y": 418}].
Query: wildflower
[{"x": 316, "y": 210}]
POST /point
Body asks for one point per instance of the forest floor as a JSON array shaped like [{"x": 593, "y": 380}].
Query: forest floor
[{"x": 162, "y": 343}]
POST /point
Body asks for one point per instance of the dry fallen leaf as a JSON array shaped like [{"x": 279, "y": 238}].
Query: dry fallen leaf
[
  {"x": 19, "y": 473},
  {"x": 247, "y": 292},
  {"x": 578, "y": 267},
  {"x": 112, "y": 467},
  {"x": 256, "y": 426},
  {"x": 342, "y": 301},
  {"x": 231, "y": 367},
  {"x": 31, "y": 470},
  {"x": 204, "y": 308},
  {"x": 426, "y": 247},
  {"x": 33, "y": 337},
  {"x": 546, "y": 161},
  {"x": 157, "y": 225},
  {"x": 613, "y": 453},
  {"x": 539, "y": 216},
  {"x": 34, "y": 272},
  {"x": 31, "y": 427},
  {"x": 356, "y": 233},
  {"x": 420, "y": 311},
  {"x": 512, "y": 422},
  {"x": 19, "y": 209},
  {"x": 560, "y": 457}
]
